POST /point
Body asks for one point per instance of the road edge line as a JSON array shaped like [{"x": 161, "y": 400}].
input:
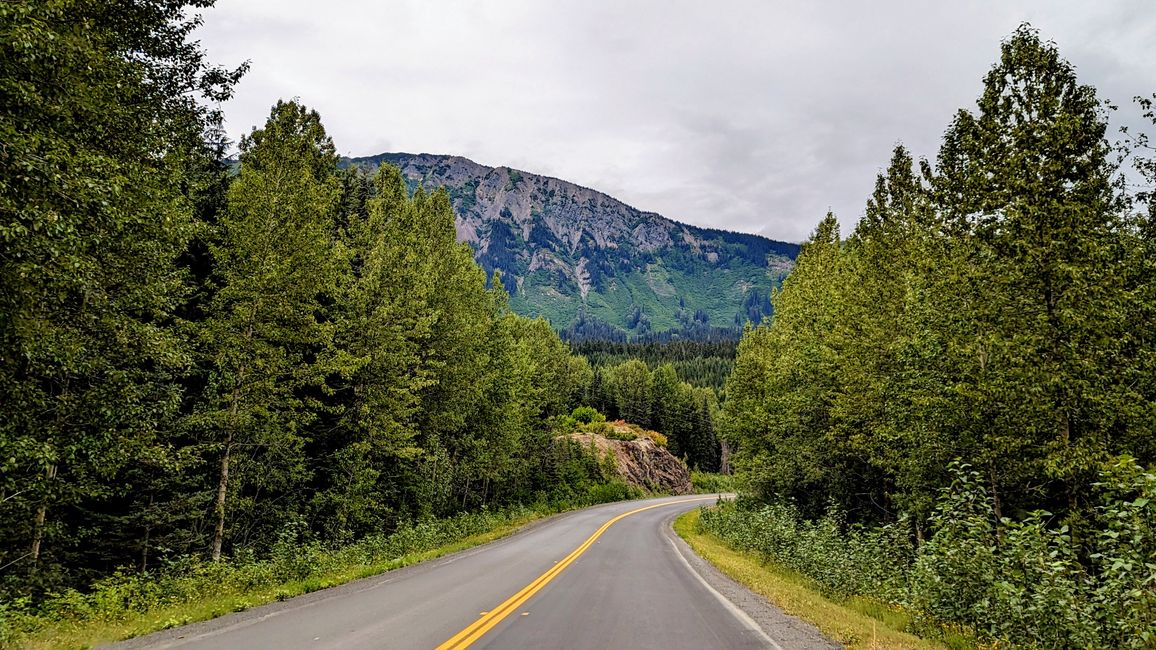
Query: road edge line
[
  {"x": 734, "y": 609},
  {"x": 476, "y": 630}
]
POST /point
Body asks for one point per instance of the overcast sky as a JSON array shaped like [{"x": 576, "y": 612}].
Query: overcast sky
[{"x": 747, "y": 115}]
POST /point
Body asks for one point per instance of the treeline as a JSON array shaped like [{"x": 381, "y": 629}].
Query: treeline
[
  {"x": 589, "y": 328},
  {"x": 974, "y": 368},
  {"x": 993, "y": 307},
  {"x": 701, "y": 363},
  {"x": 193, "y": 362},
  {"x": 659, "y": 400}
]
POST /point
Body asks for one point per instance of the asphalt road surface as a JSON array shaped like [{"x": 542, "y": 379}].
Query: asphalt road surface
[{"x": 585, "y": 579}]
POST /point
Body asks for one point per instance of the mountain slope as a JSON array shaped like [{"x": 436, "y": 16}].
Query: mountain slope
[{"x": 575, "y": 255}]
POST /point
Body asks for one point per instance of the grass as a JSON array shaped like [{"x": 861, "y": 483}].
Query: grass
[
  {"x": 858, "y": 623},
  {"x": 90, "y": 631}
]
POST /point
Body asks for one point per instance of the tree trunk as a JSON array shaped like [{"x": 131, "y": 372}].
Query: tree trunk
[
  {"x": 1070, "y": 479},
  {"x": 41, "y": 516},
  {"x": 144, "y": 547},
  {"x": 223, "y": 482},
  {"x": 995, "y": 503},
  {"x": 725, "y": 459},
  {"x": 222, "y": 491}
]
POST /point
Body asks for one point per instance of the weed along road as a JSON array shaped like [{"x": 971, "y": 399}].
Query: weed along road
[{"x": 604, "y": 577}]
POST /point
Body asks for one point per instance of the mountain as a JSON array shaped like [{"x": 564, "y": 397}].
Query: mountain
[{"x": 593, "y": 265}]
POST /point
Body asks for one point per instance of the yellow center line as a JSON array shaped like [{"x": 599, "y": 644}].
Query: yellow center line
[{"x": 468, "y": 636}]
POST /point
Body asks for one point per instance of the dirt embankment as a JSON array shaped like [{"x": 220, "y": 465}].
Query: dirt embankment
[{"x": 642, "y": 462}]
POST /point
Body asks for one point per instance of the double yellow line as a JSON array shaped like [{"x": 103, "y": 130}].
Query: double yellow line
[{"x": 468, "y": 636}]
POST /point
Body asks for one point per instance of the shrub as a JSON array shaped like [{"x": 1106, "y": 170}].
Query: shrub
[
  {"x": 587, "y": 414},
  {"x": 1024, "y": 584},
  {"x": 707, "y": 482}
]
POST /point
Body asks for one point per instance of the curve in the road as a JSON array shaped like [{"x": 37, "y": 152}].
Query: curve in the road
[
  {"x": 601, "y": 578},
  {"x": 468, "y": 636}
]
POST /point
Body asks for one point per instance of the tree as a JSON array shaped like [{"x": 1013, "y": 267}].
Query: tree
[
  {"x": 267, "y": 339},
  {"x": 633, "y": 392},
  {"x": 786, "y": 383},
  {"x": 1028, "y": 186},
  {"x": 105, "y": 112}
]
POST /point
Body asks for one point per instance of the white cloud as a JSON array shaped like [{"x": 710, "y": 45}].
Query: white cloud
[{"x": 748, "y": 115}]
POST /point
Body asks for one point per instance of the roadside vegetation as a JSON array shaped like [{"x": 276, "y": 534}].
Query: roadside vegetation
[
  {"x": 858, "y": 623},
  {"x": 950, "y": 414},
  {"x": 189, "y": 589},
  {"x": 712, "y": 483},
  {"x": 239, "y": 373}
]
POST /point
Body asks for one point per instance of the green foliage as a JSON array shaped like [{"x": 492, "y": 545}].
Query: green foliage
[
  {"x": 250, "y": 367},
  {"x": 982, "y": 309},
  {"x": 1018, "y": 582},
  {"x": 587, "y": 414},
  {"x": 681, "y": 414},
  {"x": 266, "y": 336},
  {"x": 699, "y": 363},
  {"x": 616, "y": 433},
  {"x": 104, "y": 175},
  {"x": 709, "y": 482}
]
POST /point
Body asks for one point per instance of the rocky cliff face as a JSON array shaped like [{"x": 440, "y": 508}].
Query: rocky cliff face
[
  {"x": 642, "y": 462},
  {"x": 573, "y": 254}
]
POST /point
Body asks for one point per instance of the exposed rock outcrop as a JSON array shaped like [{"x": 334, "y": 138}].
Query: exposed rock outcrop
[{"x": 641, "y": 462}]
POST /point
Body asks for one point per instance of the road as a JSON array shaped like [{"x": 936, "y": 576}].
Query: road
[{"x": 585, "y": 579}]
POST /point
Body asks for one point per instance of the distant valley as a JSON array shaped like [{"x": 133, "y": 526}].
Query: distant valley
[{"x": 594, "y": 266}]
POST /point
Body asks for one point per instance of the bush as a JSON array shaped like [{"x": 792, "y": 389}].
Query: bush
[
  {"x": 708, "y": 482},
  {"x": 587, "y": 414},
  {"x": 1025, "y": 584},
  {"x": 615, "y": 433}
]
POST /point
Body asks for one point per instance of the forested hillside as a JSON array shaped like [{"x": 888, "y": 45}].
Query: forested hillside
[
  {"x": 594, "y": 266},
  {"x": 970, "y": 373}
]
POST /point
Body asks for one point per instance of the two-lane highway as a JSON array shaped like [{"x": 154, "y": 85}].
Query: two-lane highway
[{"x": 603, "y": 577}]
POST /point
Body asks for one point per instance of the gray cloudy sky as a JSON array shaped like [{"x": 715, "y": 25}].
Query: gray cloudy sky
[{"x": 748, "y": 115}]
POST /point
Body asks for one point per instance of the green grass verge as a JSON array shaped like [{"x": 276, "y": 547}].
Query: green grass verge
[
  {"x": 117, "y": 610},
  {"x": 858, "y": 623},
  {"x": 86, "y": 634}
]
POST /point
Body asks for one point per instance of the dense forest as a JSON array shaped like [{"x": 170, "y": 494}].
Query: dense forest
[
  {"x": 970, "y": 375},
  {"x": 700, "y": 363},
  {"x": 205, "y": 358},
  {"x": 269, "y": 361},
  {"x": 660, "y": 400}
]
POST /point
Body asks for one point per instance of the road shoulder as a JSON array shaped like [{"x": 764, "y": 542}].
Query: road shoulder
[{"x": 784, "y": 631}]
